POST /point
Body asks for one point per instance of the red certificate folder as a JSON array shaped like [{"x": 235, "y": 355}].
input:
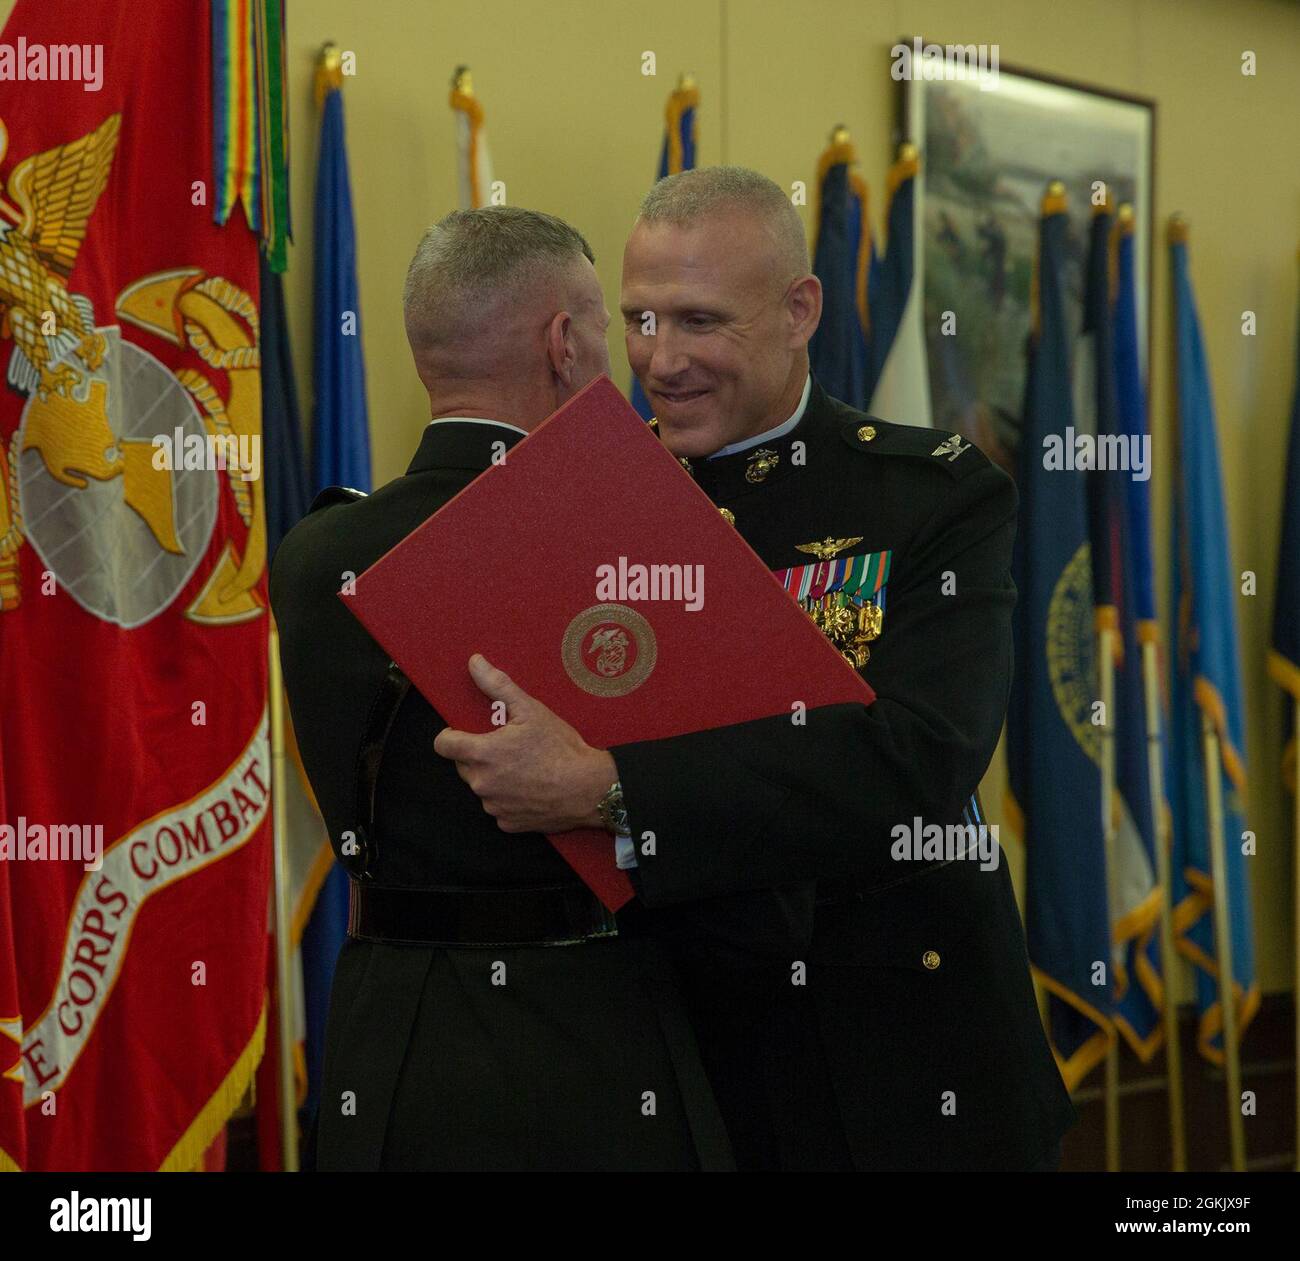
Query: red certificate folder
[{"x": 590, "y": 568}]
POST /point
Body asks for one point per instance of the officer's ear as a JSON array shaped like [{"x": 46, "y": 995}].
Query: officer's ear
[
  {"x": 560, "y": 350},
  {"x": 803, "y": 305}
]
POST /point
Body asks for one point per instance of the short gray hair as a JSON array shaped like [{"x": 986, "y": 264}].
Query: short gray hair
[
  {"x": 471, "y": 256},
  {"x": 692, "y": 195}
]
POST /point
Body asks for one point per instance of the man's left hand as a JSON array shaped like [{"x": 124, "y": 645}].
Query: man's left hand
[{"x": 535, "y": 773}]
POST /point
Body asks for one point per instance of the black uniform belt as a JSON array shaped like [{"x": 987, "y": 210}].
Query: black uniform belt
[{"x": 555, "y": 916}]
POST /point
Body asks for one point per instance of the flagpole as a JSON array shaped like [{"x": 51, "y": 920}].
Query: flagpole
[
  {"x": 1106, "y": 677},
  {"x": 1223, "y": 941},
  {"x": 283, "y": 919},
  {"x": 1159, "y": 818}
]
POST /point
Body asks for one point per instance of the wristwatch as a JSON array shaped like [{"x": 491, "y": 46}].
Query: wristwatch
[{"x": 613, "y": 814}]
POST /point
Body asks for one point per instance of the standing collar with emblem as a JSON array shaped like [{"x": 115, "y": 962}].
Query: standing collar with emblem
[
  {"x": 723, "y": 477},
  {"x": 463, "y": 442}
]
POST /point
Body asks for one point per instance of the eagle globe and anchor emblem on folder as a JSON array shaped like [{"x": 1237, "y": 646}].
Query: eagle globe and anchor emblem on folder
[{"x": 609, "y": 650}]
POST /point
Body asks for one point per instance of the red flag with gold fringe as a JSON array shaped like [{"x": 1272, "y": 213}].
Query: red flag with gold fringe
[{"x": 133, "y": 622}]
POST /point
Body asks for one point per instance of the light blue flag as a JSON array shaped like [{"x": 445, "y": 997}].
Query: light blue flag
[{"x": 1206, "y": 682}]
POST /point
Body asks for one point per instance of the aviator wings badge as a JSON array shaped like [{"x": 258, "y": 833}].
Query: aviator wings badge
[{"x": 827, "y": 548}]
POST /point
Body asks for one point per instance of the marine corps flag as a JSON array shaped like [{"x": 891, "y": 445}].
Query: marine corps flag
[
  {"x": 1053, "y": 745},
  {"x": 1206, "y": 683},
  {"x": 133, "y": 618}
]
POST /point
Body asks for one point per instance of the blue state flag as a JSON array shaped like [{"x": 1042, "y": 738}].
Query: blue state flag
[
  {"x": 677, "y": 154},
  {"x": 842, "y": 258},
  {"x": 340, "y": 429},
  {"x": 1053, "y": 746},
  {"x": 1284, "y": 657},
  {"x": 340, "y": 457},
  {"x": 1134, "y": 896},
  {"x": 1206, "y": 683}
]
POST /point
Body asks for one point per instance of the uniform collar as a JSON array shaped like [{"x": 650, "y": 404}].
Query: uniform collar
[
  {"x": 464, "y": 442},
  {"x": 756, "y": 462},
  {"x": 772, "y": 434}
]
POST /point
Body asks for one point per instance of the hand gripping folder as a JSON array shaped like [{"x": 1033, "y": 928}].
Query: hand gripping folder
[{"x": 591, "y": 568}]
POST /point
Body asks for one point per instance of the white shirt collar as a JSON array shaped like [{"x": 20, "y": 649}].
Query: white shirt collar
[
  {"x": 476, "y": 420},
  {"x": 772, "y": 434}
]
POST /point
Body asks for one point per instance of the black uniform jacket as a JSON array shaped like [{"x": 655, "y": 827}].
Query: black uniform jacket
[
  {"x": 904, "y": 1004},
  {"x": 850, "y": 1009},
  {"x": 556, "y": 1057}
]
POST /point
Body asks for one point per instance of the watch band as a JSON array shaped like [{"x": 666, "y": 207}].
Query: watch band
[{"x": 613, "y": 814}]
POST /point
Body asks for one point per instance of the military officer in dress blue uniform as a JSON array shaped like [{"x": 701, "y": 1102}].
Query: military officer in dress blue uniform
[{"x": 858, "y": 1003}]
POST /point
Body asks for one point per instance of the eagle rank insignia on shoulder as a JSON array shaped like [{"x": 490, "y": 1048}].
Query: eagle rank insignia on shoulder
[{"x": 951, "y": 447}]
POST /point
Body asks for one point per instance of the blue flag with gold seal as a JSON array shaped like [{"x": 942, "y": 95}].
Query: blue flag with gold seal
[
  {"x": 1053, "y": 748},
  {"x": 1206, "y": 683}
]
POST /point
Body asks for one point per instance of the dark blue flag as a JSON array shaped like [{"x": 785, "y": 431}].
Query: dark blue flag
[
  {"x": 1053, "y": 746},
  {"x": 841, "y": 258},
  {"x": 1134, "y": 894},
  {"x": 340, "y": 456},
  {"x": 284, "y": 465},
  {"x": 340, "y": 429}
]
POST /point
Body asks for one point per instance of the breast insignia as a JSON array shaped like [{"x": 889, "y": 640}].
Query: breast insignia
[
  {"x": 845, "y": 598},
  {"x": 828, "y": 547}
]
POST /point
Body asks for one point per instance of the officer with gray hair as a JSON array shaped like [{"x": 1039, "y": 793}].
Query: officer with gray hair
[
  {"x": 898, "y": 1028},
  {"x": 485, "y": 1013}
]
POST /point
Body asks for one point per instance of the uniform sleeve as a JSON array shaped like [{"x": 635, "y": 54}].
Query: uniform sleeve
[{"x": 769, "y": 802}]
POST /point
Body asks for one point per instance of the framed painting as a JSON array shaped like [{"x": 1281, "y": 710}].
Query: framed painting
[{"x": 989, "y": 146}]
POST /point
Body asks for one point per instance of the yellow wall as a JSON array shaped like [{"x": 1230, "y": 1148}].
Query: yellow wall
[{"x": 574, "y": 129}]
